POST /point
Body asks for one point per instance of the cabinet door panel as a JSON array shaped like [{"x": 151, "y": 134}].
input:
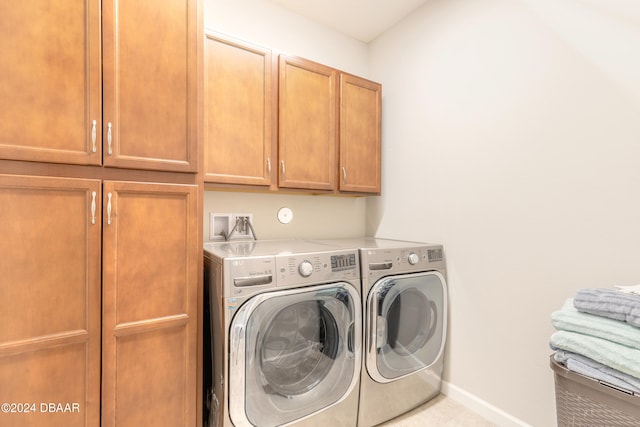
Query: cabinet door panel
[
  {"x": 150, "y": 84},
  {"x": 50, "y": 84},
  {"x": 360, "y": 124},
  {"x": 238, "y": 112},
  {"x": 49, "y": 375},
  {"x": 307, "y": 125},
  {"x": 149, "y": 304},
  {"x": 50, "y": 295},
  {"x": 152, "y": 366}
]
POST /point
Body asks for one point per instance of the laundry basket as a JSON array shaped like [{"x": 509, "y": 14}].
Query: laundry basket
[{"x": 583, "y": 401}]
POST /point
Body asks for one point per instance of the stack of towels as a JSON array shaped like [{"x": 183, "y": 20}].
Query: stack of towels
[{"x": 598, "y": 335}]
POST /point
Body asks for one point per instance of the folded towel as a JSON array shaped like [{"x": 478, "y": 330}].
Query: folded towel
[
  {"x": 609, "y": 303},
  {"x": 570, "y": 319},
  {"x": 633, "y": 289},
  {"x": 616, "y": 356},
  {"x": 590, "y": 368}
]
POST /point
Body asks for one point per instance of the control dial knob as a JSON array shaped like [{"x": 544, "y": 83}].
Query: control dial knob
[
  {"x": 305, "y": 269},
  {"x": 413, "y": 258}
]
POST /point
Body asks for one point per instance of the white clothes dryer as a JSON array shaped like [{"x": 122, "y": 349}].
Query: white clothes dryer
[
  {"x": 404, "y": 297},
  {"x": 286, "y": 333}
]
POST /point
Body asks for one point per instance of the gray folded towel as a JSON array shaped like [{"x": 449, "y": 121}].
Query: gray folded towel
[
  {"x": 583, "y": 365},
  {"x": 609, "y": 303}
]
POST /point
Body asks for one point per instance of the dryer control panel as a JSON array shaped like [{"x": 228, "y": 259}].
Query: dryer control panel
[{"x": 397, "y": 260}]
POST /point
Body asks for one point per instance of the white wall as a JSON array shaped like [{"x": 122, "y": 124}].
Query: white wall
[
  {"x": 272, "y": 26},
  {"x": 314, "y": 217},
  {"x": 511, "y": 135},
  {"x": 265, "y": 23}
]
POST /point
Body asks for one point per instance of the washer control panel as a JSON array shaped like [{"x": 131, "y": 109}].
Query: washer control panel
[{"x": 301, "y": 269}]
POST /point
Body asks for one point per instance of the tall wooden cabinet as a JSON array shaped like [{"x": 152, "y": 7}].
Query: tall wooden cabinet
[
  {"x": 149, "y": 329},
  {"x": 50, "y": 296},
  {"x": 50, "y": 257},
  {"x": 100, "y": 211}
]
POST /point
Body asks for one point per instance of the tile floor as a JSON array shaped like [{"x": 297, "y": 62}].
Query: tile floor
[{"x": 439, "y": 411}]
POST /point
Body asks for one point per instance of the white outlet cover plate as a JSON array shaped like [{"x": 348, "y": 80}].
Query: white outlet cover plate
[{"x": 285, "y": 215}]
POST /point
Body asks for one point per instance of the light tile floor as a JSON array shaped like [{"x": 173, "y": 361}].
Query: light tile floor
[{"x": 439, "y": 411}]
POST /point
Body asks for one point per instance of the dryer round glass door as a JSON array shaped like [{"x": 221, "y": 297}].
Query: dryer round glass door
[
  {"x": 294, "y": 353},
  {"x": 406, "y": 317}
]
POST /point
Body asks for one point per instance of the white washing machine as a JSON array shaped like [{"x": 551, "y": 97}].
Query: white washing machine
[
  {"x": 404, "y": 297},
  {"x": 286, "y": 333}
]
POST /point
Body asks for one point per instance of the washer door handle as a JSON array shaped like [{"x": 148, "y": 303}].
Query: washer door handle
[
  {"x": 239, "y": 332},
  {"x": 381, "y": 331},
  {"x": 370, "y": 328},
  {"x": 350, "y": 339},
  {"x": 433, "y": 320}
]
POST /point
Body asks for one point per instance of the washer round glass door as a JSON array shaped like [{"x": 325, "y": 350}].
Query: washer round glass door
[
  {"x": 293, "y": 353},
  {"x": 406, "y": 317}
]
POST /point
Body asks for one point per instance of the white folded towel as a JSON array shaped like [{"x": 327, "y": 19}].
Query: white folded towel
[{"x": 633, "y": 289}]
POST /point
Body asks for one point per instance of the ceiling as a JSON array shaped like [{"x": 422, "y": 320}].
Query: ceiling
[{"x": 363, "y": 20}]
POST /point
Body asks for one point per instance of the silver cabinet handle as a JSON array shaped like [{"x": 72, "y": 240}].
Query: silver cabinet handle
[
  {"x": 283, "y": 170},
  {"x": 93, "y": 136},
  {"x": 93, "y": 206},
  {"x": 344, "y": 175},
  {"x": 109, "y": 209},
  {"x": 109, "y": 137},
  {"x": 268, "y": 168}
]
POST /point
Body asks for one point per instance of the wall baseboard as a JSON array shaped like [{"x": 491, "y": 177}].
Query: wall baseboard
[{"x": 481, "y": 407}]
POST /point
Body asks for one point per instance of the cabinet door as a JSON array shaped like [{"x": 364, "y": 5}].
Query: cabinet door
[
  {"x": 307, "y": 135},
  {"x": 50, "y": 301},
  {"x": 239, "y": 112},
  {"x": 150, "y": 84},
  {"x": 149, "y": 358},
  {"x": 360, "y": 123},
  {"x": 50, "y": 83}
]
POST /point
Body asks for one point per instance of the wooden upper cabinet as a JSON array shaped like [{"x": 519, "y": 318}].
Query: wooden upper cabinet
[
  {"x": 150, "y": 84},
  {"x": 59, "y": 58},
  {"x": 50, "y": 82},
  {"x": 50, "y": 298},
  {"x": 239, "y": 110},
  {"x": 289, "y": 122},
  {"x": 360, "y": 129},
  {"x": 150, "y": 318},
  {"x": 308, "y": 124}
]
